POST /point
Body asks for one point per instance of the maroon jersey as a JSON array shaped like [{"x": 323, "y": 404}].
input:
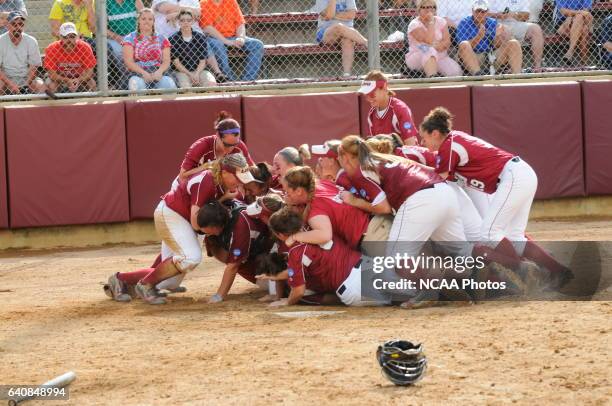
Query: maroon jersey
[
  {"x": 203, "y": 150},
  {"x": 396, "y": 118},
  {"x": 472, "y": 161},
  {"x": 197, "y": 190},
  {"x": 321, "y": 269},
  {"x": 246, "y": 230},
  {"x": 394, "y": 181},
  {"x": 418, "y": 154},
  {"x": 275, "y": 183},
  {"x": 348, "y": 222}
]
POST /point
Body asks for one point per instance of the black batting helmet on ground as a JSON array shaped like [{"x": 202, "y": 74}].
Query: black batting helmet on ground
[{"x": 402, "y": 362}]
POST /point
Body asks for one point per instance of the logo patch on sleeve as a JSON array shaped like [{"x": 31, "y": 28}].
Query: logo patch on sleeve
[
  {"x": 438, "y": 159},
  {"x": 362, "y": 192},
  {"x": 290, "y": 272},
  {"x": 236, "y": 252},
  {"x": 407, "y": 125}
]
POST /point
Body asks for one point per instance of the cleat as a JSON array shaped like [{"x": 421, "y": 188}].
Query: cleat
[
  {"x": 422, "y": 300},
  {"x": 516, "y": 286},
  {"x": 559, "y": 279},
  {"x": 178, "y": 289},
  {"x": 117, "y": 289},
  {"x": 533, "y": 275},
  {"x": 149, "y": 294}
]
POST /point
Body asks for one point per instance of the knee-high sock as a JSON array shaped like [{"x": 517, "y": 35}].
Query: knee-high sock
[
  {"x": 132, "y": 278},
  {"x": 164, "y": 270}
]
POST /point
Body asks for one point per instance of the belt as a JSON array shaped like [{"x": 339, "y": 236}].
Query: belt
[
  {"x": 430, "y": 186},
  {"x": 342, "y": 288},
  {"x": 516, "y": 159}
]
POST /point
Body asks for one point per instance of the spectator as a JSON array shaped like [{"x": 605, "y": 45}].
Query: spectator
[
  {"x": 70, "y": 62},
  {"x": 79, "y": 12},
  {"x": 453, "y": 11},
  {"x": 514, "y": 14},
  {"x": 606, "y": 40},
  {"x": 147, "y": 54},
  {"x": 429, "y": 40},
  {"x": 224, "y": 22},
  {"x": 479, "y": 36},
  {"x": 19, "y": 59},
  {"x": 121, "y": 21},
  {"x": 166, "y": 15},
  {"x": 6, "y": 6},
  {"x": 336, "y": 25},
  {"x": 189, "y": 53},
  {"x": 574, "y": 20},
  {"x": 535, "y": 8}
]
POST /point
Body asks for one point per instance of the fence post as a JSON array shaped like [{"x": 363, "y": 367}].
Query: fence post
[
  {"x": 102, "y": 47},
  {"x": 373, "y": 34}
]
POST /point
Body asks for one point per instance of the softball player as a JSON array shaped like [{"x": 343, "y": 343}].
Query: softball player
[
  {"x": 486, "y": 168},
  {"x": 331, "y": 268},
  {"x": 176, "y": 222},
  {"x": 326, "y": 214},
  {"x": 206, "y": 149},
  {"x": 388, "y": 113},
  {"x": 425, "y": 206},
  {"x": 285, "y": 159}
]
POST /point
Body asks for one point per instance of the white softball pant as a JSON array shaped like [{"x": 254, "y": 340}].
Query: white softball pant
[
  {"x": 471, "y": 219},
  {"x": 431, "y": 213},
  {"x": 508, "y": 211},
  {"x": 350, "y": 292},
  {"x": 179, "y": 239}
]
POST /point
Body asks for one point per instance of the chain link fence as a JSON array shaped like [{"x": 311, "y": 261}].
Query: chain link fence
[{"x": 137, "y": 46}]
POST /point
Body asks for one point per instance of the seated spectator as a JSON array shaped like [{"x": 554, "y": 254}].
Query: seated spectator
[
  {"x": 453, "y": 11},
  {"x": 147, "y": 55},
  {"x": 70, "y": 62},
  {"x": 480, "y": 36},
  {"x": 19, "y": 59},
  {"x": 189, "y": 53},
  {"x": 6, "y": 6},
  {"x": 573, "y": 19},
  {"x": 336, "y": 25},
  {"x": 166, "y": 15},
  {"x": 121, "y": 21},
  {"x": 535, "y": 8},
  {"x": 223, "y": 21},
  {"x": 429, "y": 40},
  {"x": 606, "y": 41},
  {"x": 514, "y": 14},
  {"x": 79, "y": 12}
]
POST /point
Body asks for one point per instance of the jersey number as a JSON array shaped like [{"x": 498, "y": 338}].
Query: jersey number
[{"x": 473, "y": 183}]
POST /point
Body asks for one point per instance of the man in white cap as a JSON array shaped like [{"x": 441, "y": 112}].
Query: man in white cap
[
  {"x": 70, "y": 62},
  {"x": 19, "y": 59},
  {"x": 479, "y": 36},
  {"x": 514, "y": 15}
]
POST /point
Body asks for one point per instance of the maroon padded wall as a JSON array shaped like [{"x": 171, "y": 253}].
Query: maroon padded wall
[
  {"x": 274, "y": 122},
  {"x": 540, "y": 122},
  {"x": 67, "y": 164},
  {"x": 421, "y": 100},
  {"x": 597, "y": 110},
  {"x": 4, "y": 219},
  {"x": 158, "y": 135}
]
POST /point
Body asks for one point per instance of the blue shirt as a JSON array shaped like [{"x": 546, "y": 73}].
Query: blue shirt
[
  {"x": 572, "y": 5},
  {"x": 467, "y": 29}
]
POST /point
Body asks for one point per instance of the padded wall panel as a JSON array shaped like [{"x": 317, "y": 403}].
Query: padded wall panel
[
  {"x": 597, "y": 110},
  {"x": 274, "y": 122},
  {"x": 67, "y": 164},
  {"x": 158, "y": 135},
  {"x": 4, "y": 218},
  {"x": 421, "y": 100},
  {"x": 540, "y": 122}
]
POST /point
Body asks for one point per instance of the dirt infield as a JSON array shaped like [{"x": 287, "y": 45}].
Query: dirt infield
[{"x": 55, "y": 318}]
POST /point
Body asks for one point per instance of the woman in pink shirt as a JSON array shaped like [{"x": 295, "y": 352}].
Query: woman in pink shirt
[{"x": 428, "y": 42}]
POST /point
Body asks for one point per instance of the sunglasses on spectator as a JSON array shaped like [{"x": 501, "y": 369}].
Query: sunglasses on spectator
[
  {"x": 429, "y": 8},
  {"x": 70, "y": 36},
  {"x": 18, "y": 23},
  {"x": 186, "y": 20}
]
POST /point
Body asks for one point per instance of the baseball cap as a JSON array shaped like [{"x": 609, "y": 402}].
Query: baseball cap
[
  {"x": 237, "y": 164},
  {"x": 480, "y": 5},
  {"x": 323, "y": 150},
  {"x": 368, "y": 86},
  {"x": 67, "y": 29},
  {"x": 13, "y": 15}
]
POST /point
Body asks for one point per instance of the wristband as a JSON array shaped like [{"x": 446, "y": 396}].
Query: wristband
[{"x": 216, "y": 298}]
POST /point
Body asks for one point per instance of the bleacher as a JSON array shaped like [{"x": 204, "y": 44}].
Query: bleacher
[{"x": 288, "y": 35}]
